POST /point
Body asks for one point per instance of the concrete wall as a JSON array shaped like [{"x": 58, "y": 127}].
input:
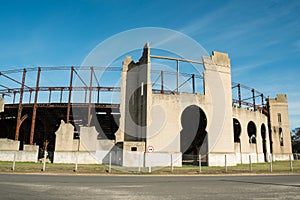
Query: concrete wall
[
  {"x": 9, "y": 149},
  {"x": 64, "y": 137},
  {"x": 245, "y": 148},
  {"x": 88, "y": 150},
  {"x": 8, "y": 144}
]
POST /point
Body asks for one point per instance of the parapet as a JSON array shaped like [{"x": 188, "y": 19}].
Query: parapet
[
  {"x": 280, "y": 98},
  {"x": 221, "y": 59},
  {"x": 217, "y": 62}
]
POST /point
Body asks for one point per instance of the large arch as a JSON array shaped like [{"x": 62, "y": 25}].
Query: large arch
[
  {"x": 193, "y": 133},
  {"x": 251, "y": 129}
]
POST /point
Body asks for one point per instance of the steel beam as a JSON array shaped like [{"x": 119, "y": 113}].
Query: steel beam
[
  {"x": 20, "y": 106},
  {"x": 35, "y": 106},
  {"x": 70, "y": 95}
]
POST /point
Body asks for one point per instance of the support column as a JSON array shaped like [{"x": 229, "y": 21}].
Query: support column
[
  {"x": 90, "y": 98},
  {"x": 177, "y": 74},
  {"x": 253, "y": 97},
  {"x": 20, "y": 106},
  {"x": 193, "y": 83},
  {"x": 35, "y": 106},
  {"x": 239, "y": 94},
  {"x": 70, "y": 95},
  {"x": 162, "y": 82}
]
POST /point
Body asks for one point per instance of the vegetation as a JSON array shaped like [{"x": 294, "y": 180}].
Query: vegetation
[
  {"x": 296, "y": 140},
  {"x": 257, "y": 168}
]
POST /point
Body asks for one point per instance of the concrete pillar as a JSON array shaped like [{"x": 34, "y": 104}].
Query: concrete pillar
[{"x": 217, "y": 79}]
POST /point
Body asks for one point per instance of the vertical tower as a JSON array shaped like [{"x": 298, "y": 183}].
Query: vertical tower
[
  {"x": 218, "y": 92},
  {"x": 136, "y": 92},
  {"x": 279, "y": 127}
]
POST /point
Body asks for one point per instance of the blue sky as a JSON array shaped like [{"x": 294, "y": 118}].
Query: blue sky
[{"x": 262, "y": 38}]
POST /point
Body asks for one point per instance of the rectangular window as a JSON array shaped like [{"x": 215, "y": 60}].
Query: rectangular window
[
  {"x": 133, "y": 149},
  {"x": 279, "y": 117}
]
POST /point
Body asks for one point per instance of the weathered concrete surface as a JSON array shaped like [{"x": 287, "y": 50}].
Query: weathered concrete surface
[
  {"x": 64, "y": 137},
  {"x": 8, "y": 144},
  {"x": 87, "y": 150},
  {"x": 2, "y": 102},
  {"x": 9, "y": 150},
  {"x": 245, "y": 148},
  {"x": 280, "y": 127}
]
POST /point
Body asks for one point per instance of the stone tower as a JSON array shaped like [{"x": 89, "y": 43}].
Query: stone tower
[{"x": 279, "y": 127}]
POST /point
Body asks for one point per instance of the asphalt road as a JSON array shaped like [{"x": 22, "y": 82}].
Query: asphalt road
[{"x": 31, "y": 187}]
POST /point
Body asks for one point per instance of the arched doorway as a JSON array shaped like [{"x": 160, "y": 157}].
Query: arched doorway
[
  {"x": 193, "y": 134},
  {"x": 263, "y": 136},
  {"x": 236, "y": 130},
  {"x": 251, "y": 129}
]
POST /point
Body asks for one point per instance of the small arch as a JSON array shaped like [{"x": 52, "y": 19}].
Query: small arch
[
  {"x": 236, "y": 130},
  {"x": 251, "y": 129},
  {"x": 280, "y": 136}
]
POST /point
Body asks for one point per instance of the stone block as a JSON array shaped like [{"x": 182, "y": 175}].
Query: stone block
[{"x": 8, "y": 144}]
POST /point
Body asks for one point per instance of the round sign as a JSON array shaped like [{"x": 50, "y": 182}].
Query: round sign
[{"x": 150, "y": 149}]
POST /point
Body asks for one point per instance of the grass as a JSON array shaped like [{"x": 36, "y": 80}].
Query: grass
[{"x": 282, "y": 167}]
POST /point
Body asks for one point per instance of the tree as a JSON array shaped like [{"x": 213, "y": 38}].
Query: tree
[{"x": 295, "y": 136}]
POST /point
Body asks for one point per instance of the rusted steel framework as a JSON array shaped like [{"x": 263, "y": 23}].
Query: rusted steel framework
[
  {"x": 254, "y": 99},
  {"x": 90, "y": 86}
]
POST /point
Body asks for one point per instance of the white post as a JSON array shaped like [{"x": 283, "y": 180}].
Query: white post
[
  {"x": 44, "y": 162},
  {"x": 14, "y": 162},
  {"x": 225, "y": 163},
  {"x": 199, "y": 163},
  {"x": 172, "y": 168},
  {"x": 109, "y": 169},
  {"x": 291, "y": 163},
  {"x": 149, "y": 168},
  {"x": 139, "y": 163},
  {"x": 76, "y": 162},
  {"x": 250, "y": 163},
  {"x": 271, "y": 160}
]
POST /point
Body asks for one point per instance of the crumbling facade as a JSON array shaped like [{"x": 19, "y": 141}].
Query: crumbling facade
[
  {"x": 163, "y": 128},
  {"x": 169, "y": 123}
]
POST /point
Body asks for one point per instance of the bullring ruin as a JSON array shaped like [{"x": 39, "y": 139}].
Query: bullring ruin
[{"x": 152, "y": 124}]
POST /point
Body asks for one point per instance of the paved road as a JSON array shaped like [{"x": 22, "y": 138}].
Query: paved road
[{"x": 13, "y": 186}]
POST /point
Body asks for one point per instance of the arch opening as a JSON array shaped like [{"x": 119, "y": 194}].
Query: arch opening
[
  {"x": 263, "y": 136},
  {"x": 236, "y": 130},
  {"x": 193, "y": 135},
  {"x": 251, "y": 129}
]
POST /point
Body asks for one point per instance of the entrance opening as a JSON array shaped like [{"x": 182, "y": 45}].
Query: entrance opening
[
  {"x": 193, "y": 135},
  {"x": 236, "y": 130},
  {"x": 263, "y": 136},
  {"x": 251, "y": 129}
]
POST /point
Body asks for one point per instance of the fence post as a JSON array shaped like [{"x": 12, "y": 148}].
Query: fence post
[
  {"x": 291, "y": 163},
  {"x": 271, "y": 160},
  {"x": 14, "y": 162},
  {"x": 199, "y": 163},
  {"x": 250, "y": 163},
  {"x": 109, "y": 169},
  {"x": 225, "y": 163},
  {"x": 76, "y": 162},
  {"x": 172, "y": 167},
  {"x": 44, "y": 161},
  {"x": 139, "y": 169},
  {"x": 149, "y": 168}
]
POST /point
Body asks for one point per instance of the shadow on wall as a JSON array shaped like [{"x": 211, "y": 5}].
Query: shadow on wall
[{"x": 193, "y": 134}]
